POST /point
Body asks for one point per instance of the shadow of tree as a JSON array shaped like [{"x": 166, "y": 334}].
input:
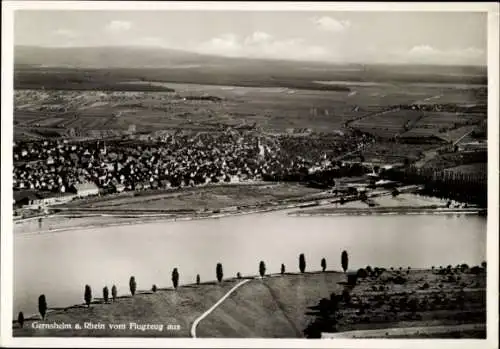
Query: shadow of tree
[
  {"x": 123, "y": 297},
  {"x": 145, "y": 292},
  {"x": 325, "y": 313}
]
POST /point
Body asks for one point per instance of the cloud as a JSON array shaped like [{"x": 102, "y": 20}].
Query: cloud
[
  {"x": 263, "y": 45},
  {"x": 224, "y": 44},
  {"x": 117, "y": 26},
  {"x": 257, "y": 37},
  {"x": 330, "y": 24},
  {"x": 65, "y": 33},
  {"x": 429, "y": 54},
  {"x": 472, "y": 52},
  {"x": 422, "y": 50}
]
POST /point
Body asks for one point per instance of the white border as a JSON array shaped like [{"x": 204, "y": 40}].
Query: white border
[
  {"x": 253, "y": 5},
  {"x": 493, "y": 176},
  {"x": 6, "y": 338}
]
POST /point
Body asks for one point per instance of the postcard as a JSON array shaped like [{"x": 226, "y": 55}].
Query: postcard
[{"x": 249, "y": 174}]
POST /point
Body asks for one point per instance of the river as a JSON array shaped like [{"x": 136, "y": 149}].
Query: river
[{"x": 60, "y": 264}]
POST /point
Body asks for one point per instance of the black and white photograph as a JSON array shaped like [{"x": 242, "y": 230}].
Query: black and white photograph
[{"x": 315, "y": 173}]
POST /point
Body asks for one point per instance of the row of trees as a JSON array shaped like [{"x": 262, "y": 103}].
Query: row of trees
[
  {"x": 444, "y": 184},
  {"x": 344, "y": 259},
  {"x": 42, "y": 301}
]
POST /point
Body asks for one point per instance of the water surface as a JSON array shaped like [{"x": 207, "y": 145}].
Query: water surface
[{"x": 60, "y": 264}]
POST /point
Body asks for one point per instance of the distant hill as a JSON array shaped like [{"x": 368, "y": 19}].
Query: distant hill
[
  {"x": 122, "y": 57},
  {"x": 177, "y": 63}
]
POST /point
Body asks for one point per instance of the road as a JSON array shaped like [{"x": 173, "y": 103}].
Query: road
[
  {"x": 429, "y": 155},
  {"x": 373, "y": 114},
  {"x": 205, "y": 314},
  {"x": 358, "y": 149},
  {"x": 404, "y": 331},
  {"x": 465, "y": 135}
]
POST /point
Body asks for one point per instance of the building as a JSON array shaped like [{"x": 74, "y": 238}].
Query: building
[
  {"x": 383, "y": 183},
  {"x": 54, "y": 198},
  {"x": 85, "y": 189},
  {"x": 119, "y": 187},
  {"x": 24, "y": 198},
  {"x": 38, "y": 199},
  {"x": 473, "y": 146}
]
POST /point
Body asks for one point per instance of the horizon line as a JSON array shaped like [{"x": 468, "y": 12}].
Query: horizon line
[{"x": 253, "y": 58}]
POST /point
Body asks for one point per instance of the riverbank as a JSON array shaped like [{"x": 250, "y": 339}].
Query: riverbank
[
  {"x": 79, "y": 220},
  {"x": 224, "y": 201},
  {"x": 181, "y": 200},
  {"x": 385, "y": 204},
  {"x": 385, "y": 211},
  {"x": 278, "y": 306},
  {"x": 190, "y": 204}
]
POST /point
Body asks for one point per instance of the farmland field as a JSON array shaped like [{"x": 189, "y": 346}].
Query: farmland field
[
  {"x": 151, "y": 111},
  {"x": 392, "y": 152},
  {"x": 388, "y": 124},
  {"x": 280, "y": 100},
  {"x": 271, "y": 109},
  {"x": 446, "y": 125}
]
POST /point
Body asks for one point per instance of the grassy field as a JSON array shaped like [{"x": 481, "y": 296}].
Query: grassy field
[
  {"x": 287, "y": 306},
  {"x": 284, "y": 306},
  {"x": 273, "y": 307},
  {"x": 203, "y": 198},
  {"x": 402, "y": 200},
  {"x": 178, "y": 308},
  {"x": 392, "y": 152}
]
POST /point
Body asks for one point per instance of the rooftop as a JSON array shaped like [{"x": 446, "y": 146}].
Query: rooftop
[{"x": 85, "y": 186}]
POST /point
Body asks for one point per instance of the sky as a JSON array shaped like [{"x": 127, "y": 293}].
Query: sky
[{"x": 448, "y": 38}]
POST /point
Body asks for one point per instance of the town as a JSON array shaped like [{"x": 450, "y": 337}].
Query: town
[{"x": 53, "y": 171}]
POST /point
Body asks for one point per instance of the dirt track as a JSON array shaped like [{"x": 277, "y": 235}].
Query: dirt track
[{"x": 405, "y": 331}]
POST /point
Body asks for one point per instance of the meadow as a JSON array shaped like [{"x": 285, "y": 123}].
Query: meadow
[
  {"x": 292, "y": 305},
  {"x": 203, "y": 199}
]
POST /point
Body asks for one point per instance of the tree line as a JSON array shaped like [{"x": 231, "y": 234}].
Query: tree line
[
  {"x": 88, "y": 295},
  {"x": 444, "y": 184}
]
